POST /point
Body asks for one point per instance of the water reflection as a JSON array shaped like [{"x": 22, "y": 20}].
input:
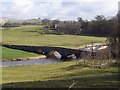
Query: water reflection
[{"x": 28, "y": 62}]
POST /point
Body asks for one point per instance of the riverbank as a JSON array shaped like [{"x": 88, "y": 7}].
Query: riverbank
[
  {"x": 8, "y": 54},
  {"x": 23, "y": 59},
  {"x": 59, "y": 75}
]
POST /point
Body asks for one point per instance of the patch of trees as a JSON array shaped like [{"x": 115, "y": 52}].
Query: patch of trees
[
  {"x": 100, "y": 26},
  {"x": 69, "y": 27},
  {"x": 114, "y": 37}
]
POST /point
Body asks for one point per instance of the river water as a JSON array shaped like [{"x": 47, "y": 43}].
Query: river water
[{"x": 28, "y": 62}]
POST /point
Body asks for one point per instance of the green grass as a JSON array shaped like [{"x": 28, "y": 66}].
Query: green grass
[
  {"x": 30, "y": 35},
  {"x": 12, "y": 53},
  {"x": 60, "y": 75},
  {"x": 52, "y": 75}
]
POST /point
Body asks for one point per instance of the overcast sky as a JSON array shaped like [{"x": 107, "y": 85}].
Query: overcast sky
[{"x": 60, "y": 9}]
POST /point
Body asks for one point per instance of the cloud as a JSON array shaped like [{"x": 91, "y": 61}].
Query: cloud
[{"x": 69, "y": 9}]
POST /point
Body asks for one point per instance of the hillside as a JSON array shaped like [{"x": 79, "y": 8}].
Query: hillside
[
  {"x": 11, "y": 20},
  {"x": 36, "y": 35}
]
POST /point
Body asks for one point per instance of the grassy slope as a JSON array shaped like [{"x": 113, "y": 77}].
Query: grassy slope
[
  {"x": 59, "y": 75},
  {"x": 28, "y": 35},
  {"x": 11, "y": 53}
]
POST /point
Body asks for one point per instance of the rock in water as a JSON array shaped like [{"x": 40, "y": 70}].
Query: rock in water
[
  {"x": 54, "y": 54},
  {"x": 73, "y": 56},
  {"x": 57, "y": 55}
]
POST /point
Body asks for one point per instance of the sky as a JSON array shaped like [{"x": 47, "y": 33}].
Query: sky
[{"x": 58, "y": 9}]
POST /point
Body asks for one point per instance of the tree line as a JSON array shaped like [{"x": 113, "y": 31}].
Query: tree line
[{"x": 100, "y": 26}]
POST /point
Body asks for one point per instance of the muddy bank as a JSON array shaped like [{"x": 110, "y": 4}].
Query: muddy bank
[{"x": 22, "y": 59}]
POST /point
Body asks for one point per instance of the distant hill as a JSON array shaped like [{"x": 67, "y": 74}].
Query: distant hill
[
  {"x": 27, "y": 21},
  {"x": 32, "y": 21}
]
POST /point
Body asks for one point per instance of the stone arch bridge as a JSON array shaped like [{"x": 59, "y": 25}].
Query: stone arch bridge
[{"x": 45, "y": 50}]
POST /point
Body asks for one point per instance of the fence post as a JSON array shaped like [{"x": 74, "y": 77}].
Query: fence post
[{"x": 92, "y": 54}]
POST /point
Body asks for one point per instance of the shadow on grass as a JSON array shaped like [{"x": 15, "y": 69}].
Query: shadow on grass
[
  {"x": 77, "y": 66},
  {"x": 106, "y": 81},
  {"x": 84, "y": 77}
]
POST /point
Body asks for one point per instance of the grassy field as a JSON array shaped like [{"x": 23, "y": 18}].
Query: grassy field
[
  {"x": 12, "y": 53},
  {"x": 60, "y": 75},
  {"x": 30, "y": 35}
]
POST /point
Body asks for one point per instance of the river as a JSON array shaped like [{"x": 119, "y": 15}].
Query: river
[{"x": 28, "y": 62}]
